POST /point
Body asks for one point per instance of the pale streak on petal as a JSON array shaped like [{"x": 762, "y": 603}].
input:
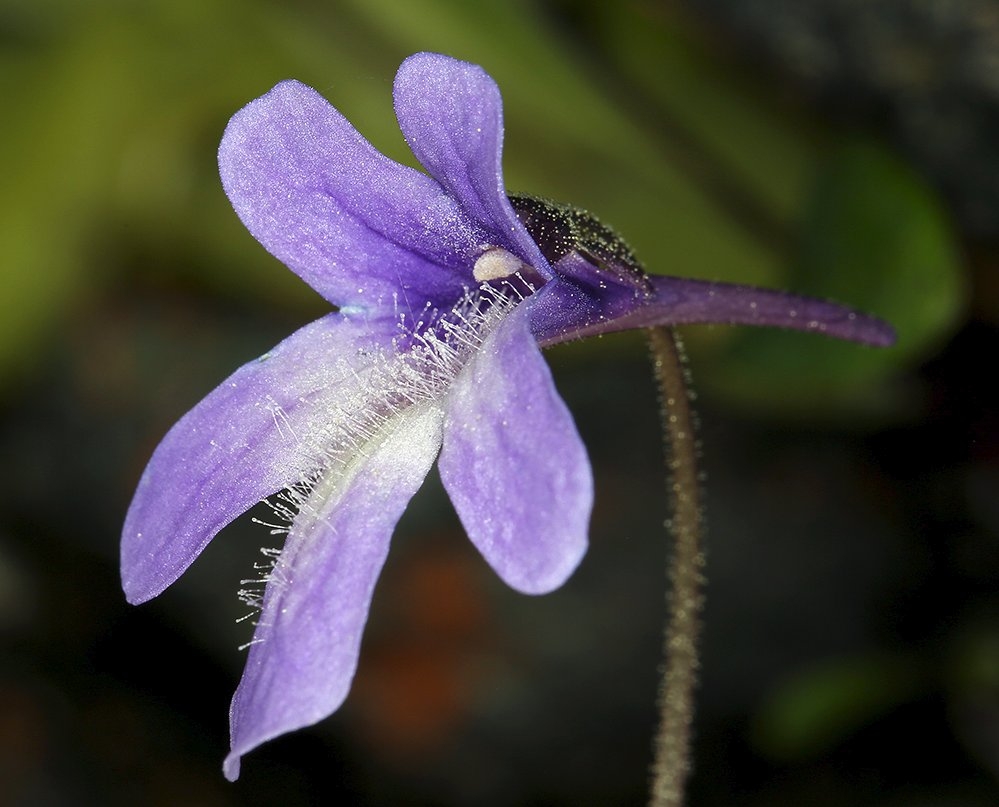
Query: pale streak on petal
[{"x": 305, "y": 649}]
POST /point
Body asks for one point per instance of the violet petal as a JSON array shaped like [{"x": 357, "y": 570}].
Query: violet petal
[
  {"x": 305, "y": 649},
  {"x": 451, "y": 113},
  {"x": 514, "y": 464},
  {"x": 359, "y": 228},
  {"x": 256, "y": 433}
]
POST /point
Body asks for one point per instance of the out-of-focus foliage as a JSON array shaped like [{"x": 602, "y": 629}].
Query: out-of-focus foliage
[
  {"x": 811, "y": 713},
  {"x": 118, "y": 108},
  {"x": 873, "y": 233}
]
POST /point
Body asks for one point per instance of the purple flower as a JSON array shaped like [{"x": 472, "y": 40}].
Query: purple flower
[{"x": 445, "y": 290}]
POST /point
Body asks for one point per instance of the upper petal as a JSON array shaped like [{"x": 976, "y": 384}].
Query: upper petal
[
  {"x": 256, "y": 433},
  {"x": 359, "y": 228},
  {"x": 514, "y": 464},
  {"x": 451, "y": 113},
  {"x": 305, "y": 649}
]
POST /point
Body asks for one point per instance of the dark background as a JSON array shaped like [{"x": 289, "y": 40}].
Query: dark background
[{"x": 851, "y": 649}]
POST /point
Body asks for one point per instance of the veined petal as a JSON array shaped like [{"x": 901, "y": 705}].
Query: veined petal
[
  {"x": 513, "y": 462},
  {"x": 587, "y": 303},
  {"x": 359, "y": 228},
  {"x": 308, "y": 636},
  {"x": 451, "y": 113},
  {"x": 256, "y": 433}
]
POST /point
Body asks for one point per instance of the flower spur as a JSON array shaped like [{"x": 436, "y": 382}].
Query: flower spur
[{"x": 445, "y": 290}]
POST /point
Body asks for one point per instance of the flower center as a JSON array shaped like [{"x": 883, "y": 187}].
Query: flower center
[{"x": 396, "y": 384}]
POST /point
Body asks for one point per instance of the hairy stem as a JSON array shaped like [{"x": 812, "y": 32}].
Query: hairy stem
[{"x": 686, "y": 575}]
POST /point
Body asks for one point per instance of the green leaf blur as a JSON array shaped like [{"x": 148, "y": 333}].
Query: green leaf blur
[{"x": 118, "y": 109}]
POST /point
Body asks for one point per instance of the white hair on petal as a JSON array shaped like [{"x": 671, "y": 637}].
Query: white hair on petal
[{"x": 419, "y": 366}]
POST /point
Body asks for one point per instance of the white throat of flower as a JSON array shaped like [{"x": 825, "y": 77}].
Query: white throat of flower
[{"x": 397, "y": 385}]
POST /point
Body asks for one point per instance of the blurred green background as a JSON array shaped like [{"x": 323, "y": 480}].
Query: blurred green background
[{"x": 829, "y": 147}]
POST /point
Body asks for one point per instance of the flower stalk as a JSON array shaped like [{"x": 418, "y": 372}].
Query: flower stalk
[{"x": 671, "y": 766}]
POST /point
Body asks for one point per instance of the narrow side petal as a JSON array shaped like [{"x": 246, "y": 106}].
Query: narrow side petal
[
  {"x": 514, "y": 464},
  {"x": 451, "y": 113},
  {"x": 305, "y": 649},
  {"x": 356, "y": 226},
  {"x": 256, "y": 433},
  {"x": 586, "y": 303}
]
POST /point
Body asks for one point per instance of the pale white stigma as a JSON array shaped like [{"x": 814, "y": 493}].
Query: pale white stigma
[{"x": 495, "y": 263}]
